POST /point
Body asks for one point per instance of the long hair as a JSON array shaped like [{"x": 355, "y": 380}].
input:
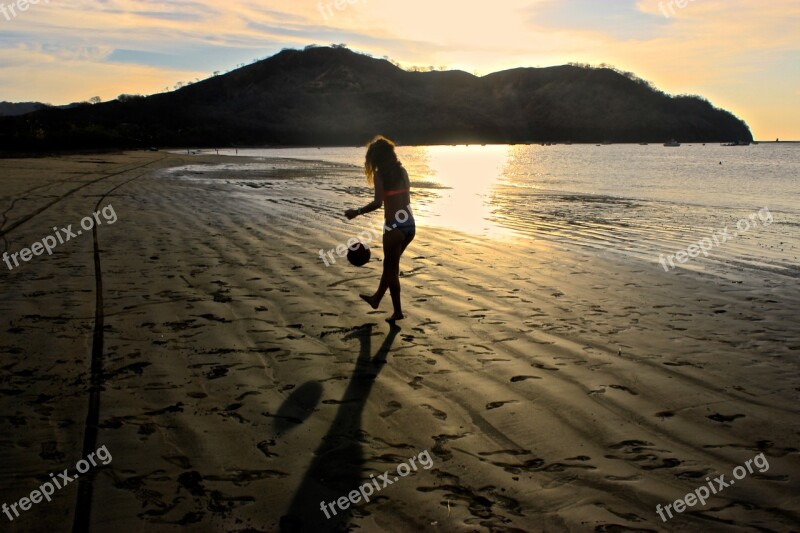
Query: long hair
[{"x": 380, "y": 157}]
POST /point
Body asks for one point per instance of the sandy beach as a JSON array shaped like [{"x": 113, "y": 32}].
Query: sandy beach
[{"x": 238, "y": 381}]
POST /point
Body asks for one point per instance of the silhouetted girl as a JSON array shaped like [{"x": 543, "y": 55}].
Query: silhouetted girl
[{"x": 392, "y": 190}]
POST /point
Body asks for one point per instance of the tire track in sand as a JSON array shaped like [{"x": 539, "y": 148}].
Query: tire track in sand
[{"x": 83, "y": 505}]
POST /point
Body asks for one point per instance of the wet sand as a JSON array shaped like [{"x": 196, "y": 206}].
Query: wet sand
[{"x": 238, "y": 382}]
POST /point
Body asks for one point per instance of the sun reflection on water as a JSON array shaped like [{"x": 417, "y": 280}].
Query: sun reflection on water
[{"x": 454, "y": 185}]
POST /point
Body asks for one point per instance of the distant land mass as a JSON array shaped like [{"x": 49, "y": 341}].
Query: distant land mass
[
  {"x": 11, "y": 109},
  {"x": 332, "y": 96}
]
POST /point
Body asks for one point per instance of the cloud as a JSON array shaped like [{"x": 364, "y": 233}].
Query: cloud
[
  {"x": 621, "y": 19},
  {"x": 739, "y": 53}
]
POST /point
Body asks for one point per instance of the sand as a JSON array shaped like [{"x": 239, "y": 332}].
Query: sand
[{"x": 238, "y": 382}]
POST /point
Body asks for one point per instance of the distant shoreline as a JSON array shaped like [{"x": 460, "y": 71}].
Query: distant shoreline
[{"x": 28, "y": 154}]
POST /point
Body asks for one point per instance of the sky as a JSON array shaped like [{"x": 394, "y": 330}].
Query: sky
[{"x": 742, "y": 55}]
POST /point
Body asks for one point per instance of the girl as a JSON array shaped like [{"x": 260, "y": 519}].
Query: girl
[{"x": 392, "y": 190}]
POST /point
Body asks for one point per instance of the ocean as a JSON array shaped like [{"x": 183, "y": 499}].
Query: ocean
[{"x": 727, "y": 210}]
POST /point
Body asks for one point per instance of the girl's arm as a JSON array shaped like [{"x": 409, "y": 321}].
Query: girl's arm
[{"x": 376, "y": 203}]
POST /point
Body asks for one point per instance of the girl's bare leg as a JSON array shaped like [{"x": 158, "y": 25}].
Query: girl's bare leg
[
  {"x": 390, "y": 279},
  {"x": 394, "y": 285},
  {"x": 394, "y": 290}
]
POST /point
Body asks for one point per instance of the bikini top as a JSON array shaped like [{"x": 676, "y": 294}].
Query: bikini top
[{"x": 395, "y": 192}]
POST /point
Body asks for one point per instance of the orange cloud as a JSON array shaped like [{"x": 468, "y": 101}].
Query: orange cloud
[{"x": 742, "y": 54}]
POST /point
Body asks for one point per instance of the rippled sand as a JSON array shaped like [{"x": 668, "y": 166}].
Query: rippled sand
[{"x": 242, "y": 382}]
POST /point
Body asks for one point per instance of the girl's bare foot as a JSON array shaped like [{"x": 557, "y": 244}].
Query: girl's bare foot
[
  {"x": 395, "y": 317},
  {"x": 370, "y": 300}
]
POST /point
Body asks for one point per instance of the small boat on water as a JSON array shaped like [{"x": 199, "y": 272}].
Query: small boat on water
[
  {"x": 643, "y": 144},
  {"x": 672, "y": 144}
]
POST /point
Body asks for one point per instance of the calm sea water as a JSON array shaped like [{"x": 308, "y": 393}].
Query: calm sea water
[{"x": 638, "y": 201}]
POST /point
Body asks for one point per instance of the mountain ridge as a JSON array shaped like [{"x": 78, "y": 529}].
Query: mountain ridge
[{"x": 333, "y": 96}]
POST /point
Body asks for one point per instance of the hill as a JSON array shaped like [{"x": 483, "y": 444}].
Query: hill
[
  {"x": 333, "y": 96},
  {"x": 11, "y": 109}
]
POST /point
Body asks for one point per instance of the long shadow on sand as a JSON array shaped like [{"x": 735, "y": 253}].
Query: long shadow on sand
[{"x": 337, "y": 467}]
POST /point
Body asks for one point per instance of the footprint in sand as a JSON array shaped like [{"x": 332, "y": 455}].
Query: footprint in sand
[
  {"x": 147, "y": 429},
  {"x": 218, "y": 371},
  {"x": 485, "y": 504},
  {"x": 760, "y": 446},
  {"x": 623, "y": 388},
  {"x": 630, "y": 517},
  {"x": 415, "y": 383},
  {"x": 441, "y": 441},
  {"x": 682, "y": 363},
  {"x": 181, "y": 461},
  {"x": 496, "y": 405},
  {"x": 624, "y": 478},
  {"x": 724, "y": 418},
  {"x": 505, "y": 452},
  {"x": 263, "y": 447},
  {"x": 517, "y": 379},
  {"x": 644, "y": 454},
  {"x": 50, "y": 452},
  {"x": 693, "y": 474},
  {"x": 530, "y": 465},
  {"x": 246, "y": 394},
  {"x": 392, "y": 407},
  {"x": 441, "y": 415},
  {"x": 561, "y": 467},
  {"x": 214, "y": 318}
]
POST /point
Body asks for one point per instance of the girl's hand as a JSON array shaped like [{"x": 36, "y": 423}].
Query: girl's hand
[{"x": 351, "y": 214}]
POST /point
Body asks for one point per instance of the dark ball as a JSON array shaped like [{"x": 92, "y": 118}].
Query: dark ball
[{"x": 358, "y": 255}]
